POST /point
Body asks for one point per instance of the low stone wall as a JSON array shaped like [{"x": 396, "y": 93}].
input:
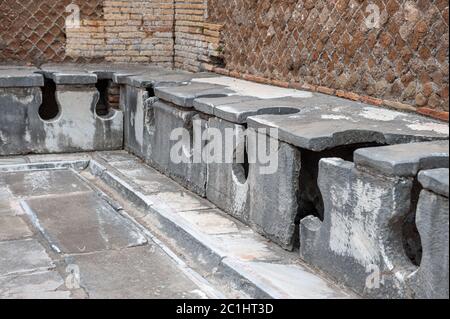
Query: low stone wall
[{"x": 361, "y": 192}]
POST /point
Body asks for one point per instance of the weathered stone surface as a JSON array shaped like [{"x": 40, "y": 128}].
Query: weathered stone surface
[
  {"x": 40, "y": 183},
  {"x": 249, "y": 99},
  {"x": 360, "y": 241},
  {"x": 435, "y": 180},
  {"x": 159, "y": 78},
  {"x": 13, "y": 227},
  {"x": 21, "y": 256},
  {"x": 18, "y": 106},
  {"x": 163, "y": 143},
  {"x": 69, "y": 74},
  {"x": 79, "y": 128},
  {"x": 227, "y": 185},
  {"x": 209, "y": 105},
  {"x": 185, "y": 95},
  {"x": 147, "y": 272},
  {"x": 134, "y": 119},
  {"x": 20, "y": 77},
  {"x": 76, "y": 128},
  {"x": 42, "y": 285},
  {"x": 273, "y": 196},
  {"x": 404, "y": 159},
  {"x": 431, "y": 280},
  {"x": 325, "y": 122},
  {"x": 82, "y": 223}
]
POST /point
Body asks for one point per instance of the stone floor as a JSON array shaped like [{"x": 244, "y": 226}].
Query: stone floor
[
  {"x": 105, "y": 225},
  {"x": 59, "y": 239}
]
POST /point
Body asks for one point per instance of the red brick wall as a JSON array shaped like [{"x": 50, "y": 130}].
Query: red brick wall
[{"x": 328, "y": 45}]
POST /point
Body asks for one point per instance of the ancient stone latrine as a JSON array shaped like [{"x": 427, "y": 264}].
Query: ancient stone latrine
[{"x": 359, "y": 192}]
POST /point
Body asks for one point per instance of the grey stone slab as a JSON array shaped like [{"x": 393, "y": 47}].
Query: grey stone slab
[
  {"x": 211, "y": 222},
  {"x": 287, "y": 281},
  {"x": 5, "y": 206},
  {"x": 161, "y": 144},
  {"x": 20, "y": 77},
  {"x": 134, "y": 273},
  {"x": 68, "y": 74},
  {"x": 42, "y": 285},
  {"x": 227, "y": 185},
  {"x": 17, "y": 105},
  {"x": 56, "y": 158},
  {"x": 39, "y": 183},
  {"x": 359, "y": 242},
  {"x": 328, "y": 122},
  {"x": 76, "y": 128},
  {"x": 185, "y": 95},
  {"x": 21, "y": 256},
  {"x": 13, "y": 160},
  {"x": 160, "y": 77},
  {"x": 117, "y": 156},
  {"x": 274, "y": 194},
  {"x": 147, "y": 178},
  {"x": 181, "y": 201},
  {"x": 436, "y": 180},
  {"x": 404, "y": 159},
  {"x": 13, "y": 227},
  {"x": 209, "y": 105},
  {"x": 82, "y": 223},
  {"x": 431, "y": 280},
  {"x": 134, "y": 118}
]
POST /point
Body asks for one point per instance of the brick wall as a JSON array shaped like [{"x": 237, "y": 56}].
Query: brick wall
[
  {"x": 197, "y": 43},
  {"x": 330, "y": 46},
  {"x": 334, "y": 46},
  {"x": 129, "y": 31}
]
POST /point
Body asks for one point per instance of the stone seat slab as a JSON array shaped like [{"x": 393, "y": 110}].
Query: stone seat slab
[
  {"x": 336, "y": 122},
  {"x": 185, "y": 95},
  {"x": 435, "y": 180},
  {"x": 404, "y": 159},
  {"x": 160, "y": 77},
  {"x": 20, "y": 77}
]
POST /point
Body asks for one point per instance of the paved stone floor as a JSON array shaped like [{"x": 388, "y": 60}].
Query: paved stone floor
[{"x": 59, "y": 239}]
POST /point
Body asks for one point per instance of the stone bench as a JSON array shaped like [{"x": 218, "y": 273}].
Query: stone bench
[
  {"x": 54, "y": 110},
  {"x": 368, "y": 238}
]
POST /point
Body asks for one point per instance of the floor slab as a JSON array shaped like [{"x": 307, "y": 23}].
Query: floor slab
[
  {"x": 41, "y": 183},
  {"x": 140, "y": 272},
  {"x": 13, "y": 227},
  {"x": 22, "y": 256},
  {"x": 33, "y": 286},
  {"x": 81, "y": 223}
]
